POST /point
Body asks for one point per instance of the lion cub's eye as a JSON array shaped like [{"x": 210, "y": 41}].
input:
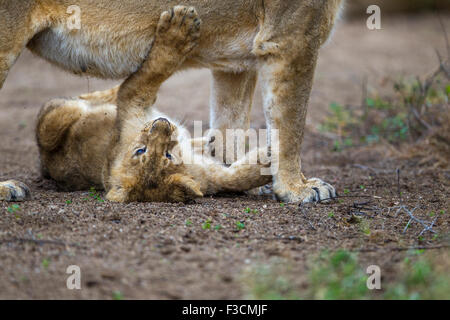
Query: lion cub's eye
[
  {"x": 168, "y": 156},
  {"x": 140, "y": 152}
]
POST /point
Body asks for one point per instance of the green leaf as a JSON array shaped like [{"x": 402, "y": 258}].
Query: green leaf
[
  {"x": 117, "y": 295},
  {"x": 240, "y": 225},
  {"x": 206, "y": 225},
  {"x": 370, "y": 102}
]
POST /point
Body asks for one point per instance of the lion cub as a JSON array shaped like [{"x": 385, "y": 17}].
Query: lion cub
[
  {"x": 80, "y": 148},
  {"x": 75, "y": 135}
]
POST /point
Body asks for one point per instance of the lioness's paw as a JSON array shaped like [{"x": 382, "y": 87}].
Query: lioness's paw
[
  {"x": 179, "y": 28},
  {"x": 14, "y": 191},
  {"x": 314, "y": 190}
]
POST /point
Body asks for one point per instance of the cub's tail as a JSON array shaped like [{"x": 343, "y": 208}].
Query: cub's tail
[{"x": 54, "y": 120}]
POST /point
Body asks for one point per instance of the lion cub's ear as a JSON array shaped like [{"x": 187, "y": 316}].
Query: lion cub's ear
[
  {"x": 117, "y": 194},
  {"x": 184, "y": 188}
]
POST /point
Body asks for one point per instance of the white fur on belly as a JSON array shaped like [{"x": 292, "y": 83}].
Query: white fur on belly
[{"x": 101, "y": 53}]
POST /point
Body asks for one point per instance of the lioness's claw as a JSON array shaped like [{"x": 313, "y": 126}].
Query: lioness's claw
[
  {"x": 14, "y": 191},
  {"x": 314, "y": 190},
  {"x": 322, "y": 191}
]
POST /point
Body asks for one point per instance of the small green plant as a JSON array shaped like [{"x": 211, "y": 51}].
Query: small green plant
[
  {"x": 93, "y": 194},
  {"x": 364, "y": 226},
  {"x": 13, "y": 208},
  {"x": 331, "y": 214},
  {"x": 188, "y": 223},
  {"x": 207, "y": 224},
  {"x": 282, "y": 204},
  {"x": 45, "y": 263},
  {"x": 422, "y": 278},
  {"x": 337, "y": 276},
  {"x": 68, "y": 202},
  {"x": 268, "y": 282},
  {"x": 218, "y": 227},
  {"x": 346, "y": 191},
  {"x": 117, "y": 295},
  {"x": 416, "y": 106},
  {"x": 240, "y": 225},
  {"x": 248, "y": 210}
]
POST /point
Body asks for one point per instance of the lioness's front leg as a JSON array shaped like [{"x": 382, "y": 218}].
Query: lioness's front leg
[
  {"x": 19, "y": 22},
  {"x": 177, "y": 34},
  {"x": 287, "y": 53}
]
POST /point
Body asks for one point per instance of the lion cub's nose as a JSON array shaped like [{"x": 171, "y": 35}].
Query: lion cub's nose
[
  {"x": 161, "y": 125},
  {"x": 161, "y": 119}
]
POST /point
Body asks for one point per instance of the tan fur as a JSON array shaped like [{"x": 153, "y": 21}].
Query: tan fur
[
  {"x": 13, "y": 190},
  {"x": 277, "y": 39},
  {"x": 80, "y": 139},
  {"x": 75, "y": 137}
]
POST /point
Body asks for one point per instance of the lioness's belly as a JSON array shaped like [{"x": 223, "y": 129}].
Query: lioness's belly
[
  {"x": 102, "y": 55},
  {"x": 105, "y": 57},
  {"x": 115, "y": 49}
]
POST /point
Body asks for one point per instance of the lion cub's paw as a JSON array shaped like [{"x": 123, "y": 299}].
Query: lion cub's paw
[
  {"x": 314, "y": 190},
  {"x": 179, "y": 28},
  {"x": 14, "y": 191},
  {"x": 266, "y": 190}
]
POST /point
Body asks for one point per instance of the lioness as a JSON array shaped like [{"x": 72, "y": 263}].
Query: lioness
[{"x": 277, "y": 40}]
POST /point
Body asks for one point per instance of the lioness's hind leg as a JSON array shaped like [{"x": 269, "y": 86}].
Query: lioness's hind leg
[
  {"x": 287, "y": 92},
  {"x": 20, "y": 21},
  {"x": 288, "y": 49},
  {"x": 14, "y": 191}
]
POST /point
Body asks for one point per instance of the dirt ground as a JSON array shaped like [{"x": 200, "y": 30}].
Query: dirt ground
[{"x": 165, "y": 251}]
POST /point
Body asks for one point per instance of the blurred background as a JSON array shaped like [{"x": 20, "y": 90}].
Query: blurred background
[
  {"x": 357, "y": 8},
  {"x": 379, "y": 103}
]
